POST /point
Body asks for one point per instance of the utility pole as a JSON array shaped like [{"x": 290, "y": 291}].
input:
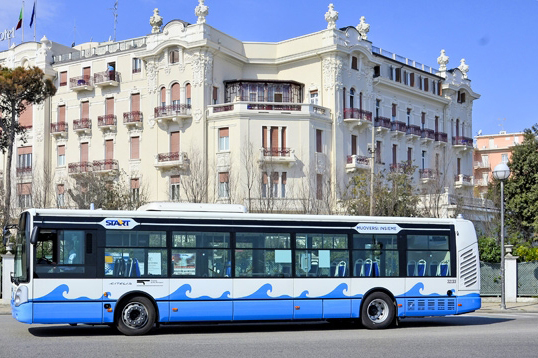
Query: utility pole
[{"x": 372, "y": 150}]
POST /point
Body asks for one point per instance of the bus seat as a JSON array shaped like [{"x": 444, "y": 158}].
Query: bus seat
[
  {"x": 444, "y": 268},
  {"x": 358, "y": 267},
  {"x": 135, "y": 272},
  {"x": 286, "y": 271},
  {"x": 367, "y": 268},
  {"x": 434, "y": 266},
  {"x": 128, "y": 268},
  {"x": 421, "y": 267},
  {"x": 119, "y": 267},
  {"x": 411, "y": 268},
  {"x": 340, "y": 270},
  {"x": 228, "y": 269},
  {"x": 375, "y": 266}
]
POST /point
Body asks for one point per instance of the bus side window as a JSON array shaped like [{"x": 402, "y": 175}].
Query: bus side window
[{"x": 72, "y": 243}]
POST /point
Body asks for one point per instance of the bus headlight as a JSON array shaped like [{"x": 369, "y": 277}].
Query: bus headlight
[{"x": 21, "y": 296}]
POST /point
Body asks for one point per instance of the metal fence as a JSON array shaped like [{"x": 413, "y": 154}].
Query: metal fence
[{"x": 527, "y": 279}]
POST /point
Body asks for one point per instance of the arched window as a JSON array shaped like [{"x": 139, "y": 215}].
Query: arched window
[
  {"x": 175, "y": 94},
  {"x": 352, "y": 98},
  {"x": 188, "y": 94},
  {"x": 163, "y": 97}
]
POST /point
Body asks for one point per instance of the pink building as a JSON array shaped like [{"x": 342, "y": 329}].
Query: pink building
[{"x": 489, "y": 151}]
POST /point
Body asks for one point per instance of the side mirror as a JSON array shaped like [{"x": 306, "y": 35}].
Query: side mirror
[
  {"x": 6, "y": 233},
  {"x": 33, "y": 238}
]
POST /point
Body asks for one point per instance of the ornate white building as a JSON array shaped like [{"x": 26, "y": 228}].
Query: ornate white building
[{"x": 275, "y": 126}]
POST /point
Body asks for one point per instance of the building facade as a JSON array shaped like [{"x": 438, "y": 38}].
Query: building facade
[
  {"x": 489, "y": 151},
  {"x": 190, "y": 113}
]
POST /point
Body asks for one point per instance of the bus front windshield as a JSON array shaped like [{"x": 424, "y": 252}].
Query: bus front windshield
[{"x": 21, "y": 251}]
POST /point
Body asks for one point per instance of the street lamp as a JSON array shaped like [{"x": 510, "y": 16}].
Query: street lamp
[{"x": 501, "y": 172}]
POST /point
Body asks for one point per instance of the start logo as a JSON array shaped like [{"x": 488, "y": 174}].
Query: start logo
[{"x": 117, "y": 223}]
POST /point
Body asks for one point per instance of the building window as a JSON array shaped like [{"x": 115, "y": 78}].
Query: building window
[
  {"x": 224, "y": 185},
  {"x": 461, "y": 97},
  {"x": 314, "y": 97},
  {"x": 24, "y": 158},
  {"x": 61, "y": 156},
  {"x": 423, "y": 120},
  {"x": 60, "y": 196},
  {"x": 354, "y": 63},
  {"x": 394, "y": 111},
  {"x": 377, "y": 108},
  {"x": 408, "y": 117},
  {"x": 426, "y": 81},
  {"x": 377, "y": 71},
  {"x": 175, "y": 94},
  {"x": 409, "y": 155},
  {"x": 423, "y": 160},
  {"x": 137, "y": 65},
  {"x": 63, "y": 78},
  {"x": 406, "y": 77},
  {"x": 188, "y": 94},
  {"x": 504, "y": 158},
  {"x": 353, "y": 144},
  {"x": 163, "y": 97},
  {"x": 319, "y": 186},
  {"x": 174, "y": 187},
  {"x": 352, "y": 98},
  {"x": 215, "y": 95},
  {"x": 24, "y": 194},
  {"x": 135, "y": 190},
  {"x": 224, "y": 139},
  {"x": 274, "y": 184},
  {"x": 264, "y": 185},
  {"x": 378, "y": 152},
  {"x": 319, "y": 147},
  {"x": 135, "y": 147},
  {"x": 283, "y": 180},
  {"x": 173, "y": 56}
]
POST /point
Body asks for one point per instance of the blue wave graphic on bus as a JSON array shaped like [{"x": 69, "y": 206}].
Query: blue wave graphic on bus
[
  {"x": 416, "y": 291},
  {"x": 341, "y": 291},
  {"x": 58, "y": 294},
  {"x": 182, "y": 293},
  {"x": 263, "y": 293}
]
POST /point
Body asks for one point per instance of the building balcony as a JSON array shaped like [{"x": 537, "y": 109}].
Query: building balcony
[
  {"x": 23, "y": 171},
  {"x": 481, "y": 182},
  {"x": 106, "y": 166},
  {"x": 172, "y": 113},
  {"x": 107, "y": 122},
  {"x": 462, "y": 180},
  {"x": 83, "y": 125},
  {"x": 81, "y": 83},
  {"x": 277, "y": 156},
  {"x": 164, "y": 161},
  {"x": 462, "y": 142},
  {"x": 481, "y": 165},
  {"x": 79, "y": 168},
  {"x": 382, "y": 123},
  {"x": 427, "y": 175},
  {"x": 357, "y": 162},
  {"x": 413, "y": 131},
  {"x": 427, "y": 135},
  {"x": 59, "y": 129},
  {"x": 441, "y": 138},
  {"x": 133, "y": 119},
  {"x": 398, "y": 167},
  {"x": 398, "y": 128},
  {"x": 303, "y": 110},
  {"x": 107, "y": 78},
  {"x": 357, "y": 117}
]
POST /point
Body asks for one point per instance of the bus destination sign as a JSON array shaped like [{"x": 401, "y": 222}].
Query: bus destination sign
[{"x": 377, "y": 228}]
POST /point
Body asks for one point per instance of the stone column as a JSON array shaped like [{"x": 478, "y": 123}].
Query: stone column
[
  {"x": 8, "y": 266},
  {"x": 510, "y": 274}
]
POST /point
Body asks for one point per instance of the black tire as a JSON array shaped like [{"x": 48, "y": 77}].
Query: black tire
[
  {"x": 377, "y": 311},
  {"x": 136, "y": 316}
]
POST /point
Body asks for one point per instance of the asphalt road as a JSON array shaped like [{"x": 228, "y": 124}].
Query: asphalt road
[{"x": 473, "y": 335}]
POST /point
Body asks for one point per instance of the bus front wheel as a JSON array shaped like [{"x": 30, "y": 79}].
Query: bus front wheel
[
  {"x": 137, "y": 317},
  {"x": 377, "y": 311}
]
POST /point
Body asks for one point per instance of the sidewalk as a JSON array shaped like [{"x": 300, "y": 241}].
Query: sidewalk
[{"x": 489, "y": 305}]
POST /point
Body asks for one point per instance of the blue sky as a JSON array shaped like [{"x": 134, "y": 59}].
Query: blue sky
[{"x": 498, "y": 39}]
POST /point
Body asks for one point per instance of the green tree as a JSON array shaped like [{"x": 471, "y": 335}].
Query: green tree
[
  {"x": 489, "y": 249},
  {"x": 521, "y": 190},
  {"x": 18, "y": 88}
]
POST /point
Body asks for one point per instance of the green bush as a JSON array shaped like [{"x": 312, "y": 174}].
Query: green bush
[{"x": 489, "y": 250}]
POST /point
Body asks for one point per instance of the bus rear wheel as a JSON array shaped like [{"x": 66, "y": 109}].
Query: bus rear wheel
[
  {"x": 377, "y": 311},
  {"x": 136, "y": 317}
]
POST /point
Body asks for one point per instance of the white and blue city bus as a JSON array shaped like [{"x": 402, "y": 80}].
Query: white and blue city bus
[{"x": 173, "y": 263}]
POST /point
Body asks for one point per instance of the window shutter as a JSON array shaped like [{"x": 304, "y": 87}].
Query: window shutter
[
  {"x": 224, "y": 132},
  {"x": 412, "y": 76},
  {"x": 24, "y": 150},
  {"x": 223, "y": 177},
  {"x": 24, "y": 188},
  {"x": 87, "y": 72},
  {"x": 398, "y": 75},
  {"x": 264, "y": 178},
  {"x": 135, "y": 102},
  {"x": 284, "y": 178},
  {"x": 174, "y": 179},
  {"x": 264, "y": 137},
  {"x": 174, "y": 142},
  {"x": 135, "y": 147},
  {"x": 188, "y": 90},
  {"x": 63, "y": 78},
  {"x": 283, "y": 137},
  {"x": 175, "y": 92},
  {"x": 274, "y": 138},
  {"x": 61, "y": 114},
  {"x": 61, "y": 189},
  {"x": 354, "y": 62},
  {"x": 163, "y": 95},
  {"x": 85, "y": 110},
  {"x": 353, "y": 145},
  {"x": 215, "y": 94},
  {"x": 135, "y": 183},
  {"x": 83, "y": 152},
  {"x": 109, "y": 149},
  {"x": 61, "y": 150},
  {"x": 426, "y": 84},
  {"x": 110, "y": 106},
  {"x": 26, "y": 117}
]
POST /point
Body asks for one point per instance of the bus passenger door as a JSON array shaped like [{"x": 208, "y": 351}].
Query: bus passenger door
[{"x": 66, "y": 287}]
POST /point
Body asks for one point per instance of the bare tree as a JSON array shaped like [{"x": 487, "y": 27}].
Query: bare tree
[{"x": 195, "y": 181}]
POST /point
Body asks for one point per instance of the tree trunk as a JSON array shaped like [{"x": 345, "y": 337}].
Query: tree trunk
[{"x": 10, "y": 143}]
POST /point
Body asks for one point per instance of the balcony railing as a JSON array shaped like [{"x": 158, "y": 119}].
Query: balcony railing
[
  {"x": 357, "y": 113},
  {"x": 132, "y": 117},
  {"x": 24, "y": 170},
  {"x": 463, "y": 179},
  {"x": 414, "y": 130},
  {"x": 427, "y": 173},
  {"x": 481, "y": 165},
  {"x": 355, "y": 162},
  {"x": 273, "y": 107},
  {"x": 82, "y": 124},
  {"x": 111, "y": 78},
  {"x": 441, "y": 137},
  {"x": 398, "y": 167},
  {"x": 105, "y": 165},
  {"x": 223, "y": 108},
  {"x": 108, "y": 120},
  {"x": 276, "y": 152},
  {"x": 398, "y": 126},
  {"x": 81, "y": 82},
  {"x": 383, "y": 122},
  {"x": 80, "y": 167},
  {"x": 468, "y": 142},
  {"x": 172, "y": 110},
  {"x": 428, "y": 134},
  {"x": 168, "y": 157},
  {"x": 60, "y": 127}
]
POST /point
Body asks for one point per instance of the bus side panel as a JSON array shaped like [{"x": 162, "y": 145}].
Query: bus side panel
[
  {"x": 263, "y": 299},
  {"x": 68, "y": 312},
  {"x": 337, "y": 308},
  {"x": 68, "y": 301},
  {"x": 428, "y": 296},
  {"x": 201, "y": 311},
  {"x": 308, "y": 309}
]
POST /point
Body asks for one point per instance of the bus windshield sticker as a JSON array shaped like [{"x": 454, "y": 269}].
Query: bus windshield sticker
[
  {"x": 117, "y": 223},
  {"x": 378, "y": 228}
]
